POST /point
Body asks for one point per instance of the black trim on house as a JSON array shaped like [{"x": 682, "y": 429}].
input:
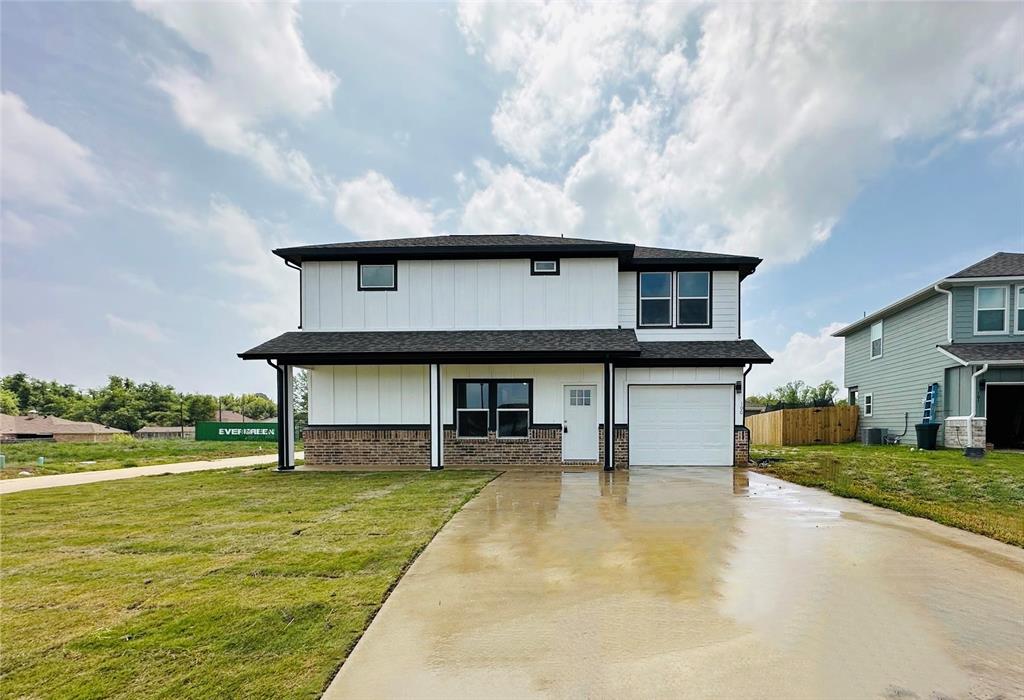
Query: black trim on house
[
  {"x": 492, "y": 401},
  {"x": 292, "y": 265},
  {"x": 359, "y": 276}
]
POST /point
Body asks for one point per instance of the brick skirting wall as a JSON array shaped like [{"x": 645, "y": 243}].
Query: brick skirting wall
[
  {"x": 956, "y": 432},
  {"x": 370, "y": 446},
  {"x": 620, "y": 446},
  {"x": 542, "y": 448},
  {"x": 740, "y": 446}
]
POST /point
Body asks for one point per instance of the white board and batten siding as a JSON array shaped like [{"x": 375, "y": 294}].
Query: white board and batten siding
[
  {"x": 725, "y": 310},
  {"x": 462, "y": 295},
  {"x": 369, "y": 395},
  {"x": 668, "y": 376}
]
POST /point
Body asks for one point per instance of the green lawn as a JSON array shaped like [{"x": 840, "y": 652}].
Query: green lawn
[
  {"x": 66, "y": 457},
  {"x": 984, "y": 496},
  {"x": 240, "y": 583}
]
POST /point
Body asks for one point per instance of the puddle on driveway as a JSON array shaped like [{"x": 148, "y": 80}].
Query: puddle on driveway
[{"x": 694, "y": 583}]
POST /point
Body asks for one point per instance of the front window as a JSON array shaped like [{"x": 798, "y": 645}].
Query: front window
[
  {"x": 513, "y": 409},
  {"x": 472, "y": 409},
  {"x": 655, "y": 298},
  {"x": 377, "y": 277},
  {"x": 990, "y": 309},
  {"x": 693, "y": 291},
  {"x": 876, "y": 340},
  {"x": 1020, "y": 309}
]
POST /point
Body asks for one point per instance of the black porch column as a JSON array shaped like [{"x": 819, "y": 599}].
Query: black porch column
[{"x": 285, "y": 461}]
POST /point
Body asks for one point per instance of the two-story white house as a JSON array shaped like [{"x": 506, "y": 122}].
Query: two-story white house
[{"x": 495, "y": 350}]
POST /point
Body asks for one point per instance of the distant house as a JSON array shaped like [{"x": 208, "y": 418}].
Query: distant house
[
  {"x": 170, "y": 432},
  {"x": 39, "y": 427},
  {"x": 963, "y": 336}
]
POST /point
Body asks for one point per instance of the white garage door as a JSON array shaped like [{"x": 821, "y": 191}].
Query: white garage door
[{"x": 681, "y": 425}]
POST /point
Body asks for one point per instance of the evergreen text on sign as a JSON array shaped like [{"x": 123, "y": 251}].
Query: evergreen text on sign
[{"x": 236, "y": 431}]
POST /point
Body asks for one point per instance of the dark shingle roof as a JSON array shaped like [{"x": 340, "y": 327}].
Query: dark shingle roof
[
  {"x": 705, "y": 351},
  {"x": 461, "y": 240},
  {"x": 380, "y": 345},
  {"x": 998, "y": 265},
  {"x": 644, "y": 253},
  {"x": 987, "y": 352}
]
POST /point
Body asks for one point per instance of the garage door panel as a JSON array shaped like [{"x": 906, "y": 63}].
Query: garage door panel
[{"x": 680, "y": 425}]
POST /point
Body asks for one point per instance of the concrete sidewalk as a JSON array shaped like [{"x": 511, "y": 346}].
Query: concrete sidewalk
[{"x": 30, "y": 483}]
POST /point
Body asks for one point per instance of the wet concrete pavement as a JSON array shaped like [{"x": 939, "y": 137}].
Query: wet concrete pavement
[{"x": 696, "y": 583}]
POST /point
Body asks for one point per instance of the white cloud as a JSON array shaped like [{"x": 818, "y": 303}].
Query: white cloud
[
  {"x": 511, "y": 202},
  {"x": 812, "y": 358},
  {"x": 756, "y": 137},
  {"x": 258, "y": 72},
  {"x": 147, "y": 330},
  {"x": 371, "y": 207},
  {"x": 44, "y": 169}
]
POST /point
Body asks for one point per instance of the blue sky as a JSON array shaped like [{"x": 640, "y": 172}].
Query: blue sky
[{"x": 154, "y": 153}]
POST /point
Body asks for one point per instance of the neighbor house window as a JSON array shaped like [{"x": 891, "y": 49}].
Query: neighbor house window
[
  {"x": 378, "y": 277},
  {"x": 500, "y": 405},
  {"x": 1020, "y": 309},
  {"x": 693, "y": 295},
  {"x": 851, "y": 396},
  {"x": 655, "y": 299},
  {"x": 472, "y": 409},
  {"x": 513, "y": 409},
  {"x": 869, "y": 404},
  {"x": 990, "y": 304},
  {"x": 876, "y": 340},
  {"x": 544, "y": 267}
]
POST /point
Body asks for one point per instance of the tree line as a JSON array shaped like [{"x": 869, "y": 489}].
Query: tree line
[
  {"x": 124, "y": 403},
  {"x": 797, "y": 393}
]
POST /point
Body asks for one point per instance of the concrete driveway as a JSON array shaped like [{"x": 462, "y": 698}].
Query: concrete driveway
[{"x": 694, "y": 583}]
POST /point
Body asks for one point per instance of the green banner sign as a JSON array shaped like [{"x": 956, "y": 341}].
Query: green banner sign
[{"x": 237, "y": 431}]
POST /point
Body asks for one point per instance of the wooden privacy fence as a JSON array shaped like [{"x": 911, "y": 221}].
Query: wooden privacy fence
[{"x": 804, "y": 426}]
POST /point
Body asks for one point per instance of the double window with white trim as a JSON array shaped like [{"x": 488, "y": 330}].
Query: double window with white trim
[
  {"x": 680, "y": 300},
  {"x": 991, "y": 310}
]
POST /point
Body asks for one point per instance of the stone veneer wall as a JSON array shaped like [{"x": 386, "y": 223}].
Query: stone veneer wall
[
  {"x": 956, "y": 432},
  {"x": 370, "y": 446},
  {"x": 740, "y": 446}
]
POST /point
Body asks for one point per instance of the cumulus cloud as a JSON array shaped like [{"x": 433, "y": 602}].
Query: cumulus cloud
[
  {"x": 257, "y": 72},
  {"x": 145, "y": 329},
  {"x": 44, "y": 170},
  {"x": 812, "y": 358},
  {"x": 756, "y": 136},
  {"x": 370, "y": 207},
  {"x": 512, "y": 202}
]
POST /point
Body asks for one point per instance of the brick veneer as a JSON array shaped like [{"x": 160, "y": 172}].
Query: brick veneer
[
  {"x": 740, "y": 446},
  {"x": 620, "y": 446},
  {"x": 542, "y": 448},
  {"x": 367, "y": 446}
]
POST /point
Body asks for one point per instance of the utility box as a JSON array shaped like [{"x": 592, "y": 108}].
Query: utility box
[{"x": 875, "y": 436}]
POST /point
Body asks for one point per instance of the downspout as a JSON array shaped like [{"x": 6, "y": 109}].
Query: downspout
[
  {"x": 747, "y": 370},
  {"x": 949, "y": 311},
  {"x": 974, "y": 406}
]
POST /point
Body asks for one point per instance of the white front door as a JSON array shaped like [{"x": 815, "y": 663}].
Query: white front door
[{"x": 579, "y": 423}]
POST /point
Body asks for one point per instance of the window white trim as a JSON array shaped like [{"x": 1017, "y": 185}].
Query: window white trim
[
  {"x": 393, "y": 286},
  {"x": 881, "y": 340},
  {"x": 1018, "y": 327},
  {"x": 545, "y": 267},
  {"x": 1006, "y": 309},
  {"x": 869, "y": 405}
]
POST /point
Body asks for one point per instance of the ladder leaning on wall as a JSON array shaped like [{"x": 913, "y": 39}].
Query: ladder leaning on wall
[{"x": 931, "y": 395}]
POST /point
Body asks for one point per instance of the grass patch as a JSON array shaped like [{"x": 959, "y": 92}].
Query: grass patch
[
  {"x": 985, "y": 496},
  {"x": 238, "y": 583},
  {"x": 68, "y": 457}
]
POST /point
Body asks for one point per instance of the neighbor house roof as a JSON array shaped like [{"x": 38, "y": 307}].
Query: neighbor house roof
[
  {"x": 51, "y": 425},
  {"x": 997, "y": 265},
  {"x": 509, "y": 245},
  {"x": 297, "y": 347},
  {"x": 980, "y": 353}
]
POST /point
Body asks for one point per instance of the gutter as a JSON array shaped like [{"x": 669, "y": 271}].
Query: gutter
[
  {"x": 949, "y": 311},
  {"x": 974, "y": 407}
]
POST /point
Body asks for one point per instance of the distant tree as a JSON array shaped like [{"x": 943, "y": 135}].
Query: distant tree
[
  {"x": 300, "y": 396},
  {"x": 256, "y": 406},
  {"x": 9, "y": 402},
  {"x": 799, "y": 393},
  {"x": 199, "y": 407}
]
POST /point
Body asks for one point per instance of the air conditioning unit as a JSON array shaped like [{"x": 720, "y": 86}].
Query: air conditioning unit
[{"x": 875, "y": 436}]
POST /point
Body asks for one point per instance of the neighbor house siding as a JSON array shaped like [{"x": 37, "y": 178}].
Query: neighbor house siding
[
  {"x": 725, "y": 315},
  {"x": 463, "y": 294},
  {"x": 959, "y": 378},
  {"x": 369, "y": 395},
  {"x": 898, "y": 380},
  {"x": 963, "y": 315}
]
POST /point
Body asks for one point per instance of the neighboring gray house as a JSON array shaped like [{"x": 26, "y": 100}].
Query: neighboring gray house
[{"x": 965, "y": 334}]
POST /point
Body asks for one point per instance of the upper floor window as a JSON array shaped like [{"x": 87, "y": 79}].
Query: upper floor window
[
  {"x": 693, "y": 294},
  {"x": 655, "y": 299},
  {"x": 991, "y": 310},
  {"x": 378, "y": 277},
  {"x": 544, "y": 267},
  {"x": 1020, "y": 309},
  {"x": 876, "y": 340}
]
